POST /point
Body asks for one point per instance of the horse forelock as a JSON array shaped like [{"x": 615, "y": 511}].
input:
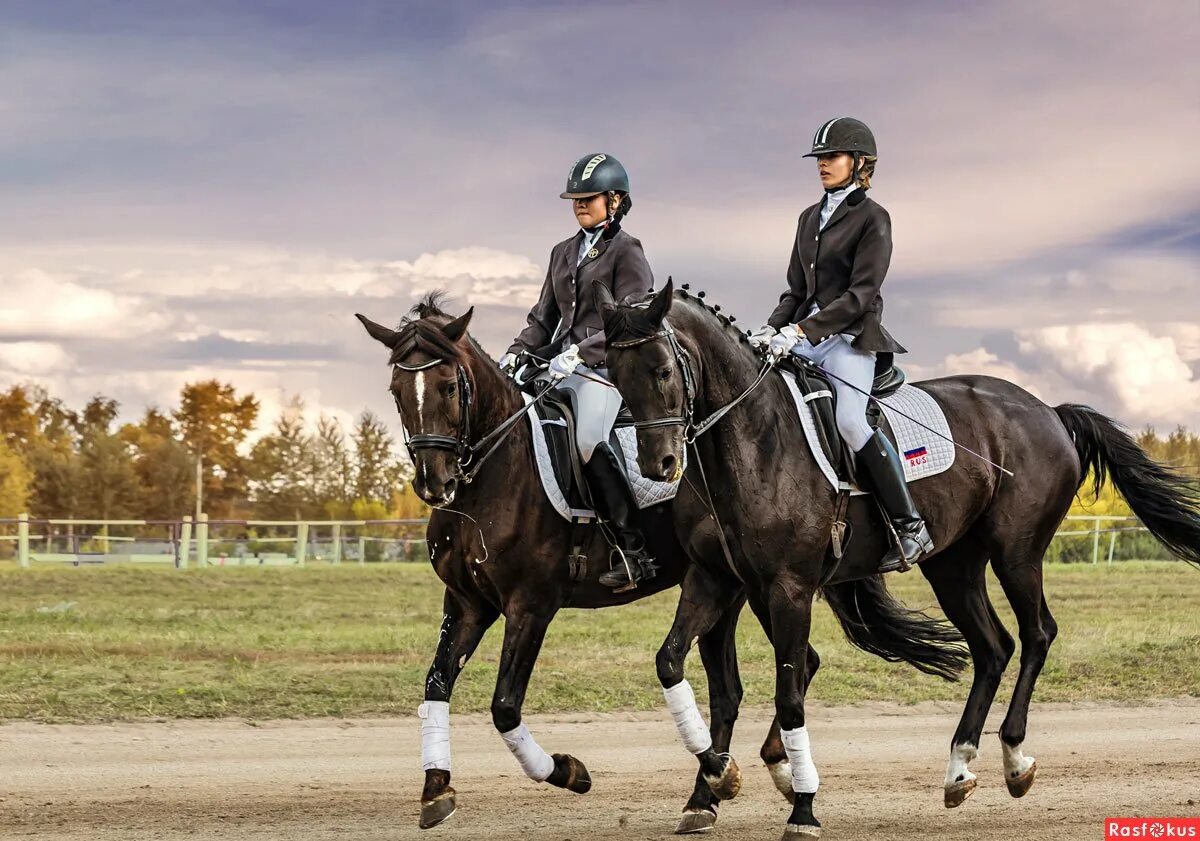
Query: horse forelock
[{"x": 426, "y": 335}]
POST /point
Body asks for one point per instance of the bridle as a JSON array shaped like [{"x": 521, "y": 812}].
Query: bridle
[
  {"x": 467, "y": 453},
  {"x": 691, "y": 431}
]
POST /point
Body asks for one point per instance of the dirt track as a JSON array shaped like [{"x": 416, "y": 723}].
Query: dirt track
[{"x": 355, "y": 779}]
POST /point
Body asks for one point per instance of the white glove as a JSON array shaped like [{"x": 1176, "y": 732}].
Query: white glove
[
  {"x": 508, "y": 363},
  {"x": 781, "y": 343},
  {"x": 564, "y": 365},
  {"x": 761, "y": 337}
]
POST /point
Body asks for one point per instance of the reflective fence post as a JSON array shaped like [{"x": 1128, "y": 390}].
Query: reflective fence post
[
  {"x": 23, "y": 541},
  {"x": 301, "y": 543},
  {"x": 337, "y": 543},
  {"x": 1095, "y": 541}
]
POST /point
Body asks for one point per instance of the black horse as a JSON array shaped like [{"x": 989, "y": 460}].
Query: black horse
[
  {"x": 776, "y": 510},
  {"x": 501, "y": 550}
]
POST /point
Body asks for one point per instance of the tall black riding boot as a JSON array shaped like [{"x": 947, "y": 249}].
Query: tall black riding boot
[
  {"x": 614, "y": 502},
  {"x": 879, "y": 463}
]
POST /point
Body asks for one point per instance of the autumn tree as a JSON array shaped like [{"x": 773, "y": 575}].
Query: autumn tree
[{"x": 214, "y": 422}]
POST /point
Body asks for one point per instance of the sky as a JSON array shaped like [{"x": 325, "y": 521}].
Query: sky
[{"x": 207, "y": 190}]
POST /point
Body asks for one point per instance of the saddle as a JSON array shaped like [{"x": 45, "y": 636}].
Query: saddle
[{"x": 818, "y": 392}]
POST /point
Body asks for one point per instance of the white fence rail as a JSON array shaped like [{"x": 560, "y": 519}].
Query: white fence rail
[{"x": 185, "y": 543}]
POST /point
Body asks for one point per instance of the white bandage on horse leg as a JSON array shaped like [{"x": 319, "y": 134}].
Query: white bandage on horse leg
[
  {"x": 1016, "y": 762},
  {"x": 681, "y": 703},
  {"x": 535, "y": 762},
  {"x": 804, "y": 771},
  {"x": 435, "y": 735},
  {"x": 960, "y": 756}
]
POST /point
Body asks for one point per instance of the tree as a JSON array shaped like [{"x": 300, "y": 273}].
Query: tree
[
  {"x": 333, "y": 469},
  {"x": 282, "y": 467},
  {"x": 214, "y": 421},
  {"x": 15, "y": 481},
  {"x": 378, "y": 473},
  {"x": 109, "y": 486},
  {"x": 165, "y": 470}
]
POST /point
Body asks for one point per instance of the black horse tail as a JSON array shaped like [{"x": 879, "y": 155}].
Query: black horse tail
[
  {"x": 1165, "y": 500},
  {"x": 876, "y": 622}
]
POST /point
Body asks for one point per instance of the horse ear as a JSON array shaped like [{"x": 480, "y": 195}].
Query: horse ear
[
  {"x": 456, "y": 328},
  {"x": 605, "y": 304},
  {"x": 384, "y": 335},
  {"x": 661, "y": 305}
]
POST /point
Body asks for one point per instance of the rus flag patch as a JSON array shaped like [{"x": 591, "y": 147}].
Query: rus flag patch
[{"x": 915, "y": 455}]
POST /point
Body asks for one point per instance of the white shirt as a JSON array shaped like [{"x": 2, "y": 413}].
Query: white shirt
[
  {"x": 590, "y": 238},
  {"x": 832, "y": 200}
]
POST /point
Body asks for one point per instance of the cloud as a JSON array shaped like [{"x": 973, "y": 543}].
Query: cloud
[
  {"x": 19, "y": 359},
  {"x": 36, "y": 303}
]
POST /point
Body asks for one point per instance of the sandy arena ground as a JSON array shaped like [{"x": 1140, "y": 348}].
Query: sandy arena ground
[{"x": 881, "y": 774}]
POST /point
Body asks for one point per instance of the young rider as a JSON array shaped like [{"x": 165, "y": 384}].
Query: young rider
[
  {"x": 565, "y": 322},
  {"x": 832, "y": 311}
]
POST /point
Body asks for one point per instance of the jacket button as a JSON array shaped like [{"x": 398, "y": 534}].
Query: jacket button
[
  {"x": 812, "y": 265},
  {"x": 817, "y": 238}
]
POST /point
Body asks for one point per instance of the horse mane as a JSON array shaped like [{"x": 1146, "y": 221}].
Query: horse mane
[
  {"x": 630, "y": 322},
  {"x": 421, "y": 330}
]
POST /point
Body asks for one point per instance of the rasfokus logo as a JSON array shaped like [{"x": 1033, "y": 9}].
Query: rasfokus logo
[{"x": 1151, "y": 828}]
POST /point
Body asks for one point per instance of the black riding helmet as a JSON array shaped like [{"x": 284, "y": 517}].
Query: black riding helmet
[
  {"x": 592, "y": 175},
  {"x": 843, "y": 134}
]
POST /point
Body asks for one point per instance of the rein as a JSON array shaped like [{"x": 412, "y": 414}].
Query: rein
[{"x": 469, "y": 460}]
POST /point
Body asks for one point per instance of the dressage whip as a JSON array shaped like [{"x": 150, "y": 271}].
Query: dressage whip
[{"x": 870, "y": 396}]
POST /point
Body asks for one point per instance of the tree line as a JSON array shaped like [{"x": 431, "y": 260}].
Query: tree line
[{"x": 57, "y": 461}]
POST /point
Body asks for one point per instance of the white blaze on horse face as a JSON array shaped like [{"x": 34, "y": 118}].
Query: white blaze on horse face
[
  {"x": 1016, "y": 762},
  {"x": 960, "y": 756},
  {"x": 420, "y": 386}
]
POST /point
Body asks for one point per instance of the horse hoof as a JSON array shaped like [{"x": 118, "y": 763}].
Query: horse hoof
[
  {"x": 1020, "y": 784},
  {"x": 781, "y": 775},
  {"x": 796, "y": 832},
  {"x": 729, "y": 783},
  {"x": 696, "y": 821},
  {"x": 434, "y": 811},
  {"x": 957, "y": 793},
  {"x": 569, "y": 773}
]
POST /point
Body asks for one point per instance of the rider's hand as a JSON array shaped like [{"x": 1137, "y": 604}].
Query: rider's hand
[
  {"x": 508, "y": 363},
  {"x": 782, "y": 342},
  {"x": 761, "y": 337},
  {"x": 564, "y": 365}
]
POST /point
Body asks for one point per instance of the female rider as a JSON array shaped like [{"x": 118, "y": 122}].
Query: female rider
[
  {"x": 832, "y": 311},
  {"x": 565, "y": 322}
]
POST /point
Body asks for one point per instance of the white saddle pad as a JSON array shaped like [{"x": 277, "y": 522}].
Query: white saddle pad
[
  {"x": 921, "y": 452},
  {"x": 646, "y": 492}
]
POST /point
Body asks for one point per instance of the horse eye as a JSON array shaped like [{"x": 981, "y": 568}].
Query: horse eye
[
  {"x": 664, "y": 374},
  {"x": 450, "y": 390}
]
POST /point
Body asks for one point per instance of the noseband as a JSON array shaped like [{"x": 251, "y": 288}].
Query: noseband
[
  {"x": 458, "y": 444},
  {"x": 683, "y": 360}
]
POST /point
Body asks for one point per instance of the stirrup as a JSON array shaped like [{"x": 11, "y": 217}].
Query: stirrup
[
  {"x": 626, "y": 576},
  {"x": 895, "y": 560}
]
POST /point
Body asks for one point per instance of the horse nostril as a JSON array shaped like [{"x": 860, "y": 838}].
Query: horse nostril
[
  {"x": 449, "y": 489},
  {"x": 668, "y": 466}
]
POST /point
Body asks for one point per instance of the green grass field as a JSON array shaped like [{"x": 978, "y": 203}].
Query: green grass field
[{"x": 95, "y": 644}]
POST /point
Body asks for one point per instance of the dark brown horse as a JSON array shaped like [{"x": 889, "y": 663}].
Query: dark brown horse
[
  {"x": 500, "y": 548},
  {"x": 776, "y": 510}
]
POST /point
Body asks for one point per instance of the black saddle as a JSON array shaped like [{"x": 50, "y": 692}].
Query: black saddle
[{"x": 818, "y": 392}]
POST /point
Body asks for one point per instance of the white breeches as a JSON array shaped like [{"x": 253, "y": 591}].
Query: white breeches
[
  {"x": 837, "y": 356},
  {"x": 596, "y": 406}
]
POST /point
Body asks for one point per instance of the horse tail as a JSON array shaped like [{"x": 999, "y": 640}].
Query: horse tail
[
  {"x": 876, "y": 622},
  {"x": 1165, "y": 500}
]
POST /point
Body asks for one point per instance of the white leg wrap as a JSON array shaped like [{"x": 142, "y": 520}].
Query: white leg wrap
[
  {"x": 435, "y": 735},
  {"x": 804, "y": 772},
  {"x": 1016, "y": 762},
  {"x": 681, "y": 703},
  {"x": 960, "y": 757},
  {"x": 535, "y": 762}
]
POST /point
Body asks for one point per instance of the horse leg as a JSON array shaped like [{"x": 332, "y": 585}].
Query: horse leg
[
  {"x": 523, "y": 636},
  {"x": 958, "y": 580},
  {"x": 703, "y": 602},
  {"x": 462, "y": 629},
  {"x": 718, "y": 654},
  {"x": 1019, "y": 569},
  {"x": 789, "y": 601},
  {"x": 773, "y": 753}
]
